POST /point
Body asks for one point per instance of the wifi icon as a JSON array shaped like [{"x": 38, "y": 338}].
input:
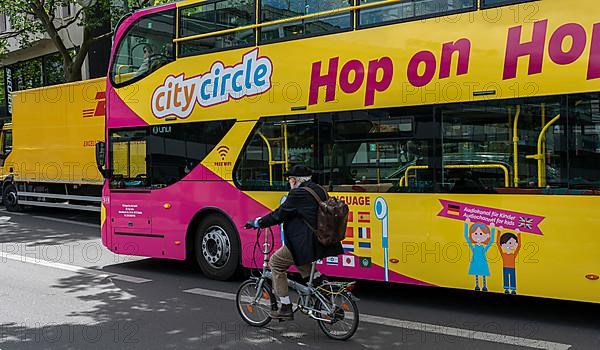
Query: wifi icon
[{"x": 223, "y": 150}]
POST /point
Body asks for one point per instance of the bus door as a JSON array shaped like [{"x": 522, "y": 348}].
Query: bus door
[{"x": 131, "y": 200}]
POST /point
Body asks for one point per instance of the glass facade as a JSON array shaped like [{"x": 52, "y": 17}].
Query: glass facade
[{"x": 37, "y": 72}]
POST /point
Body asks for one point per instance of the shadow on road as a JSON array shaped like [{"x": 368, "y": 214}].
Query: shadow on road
[{"x": 156, "y": 315}]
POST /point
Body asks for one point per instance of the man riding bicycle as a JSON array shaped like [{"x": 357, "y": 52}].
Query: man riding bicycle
[{"x": 301, "y": 247}]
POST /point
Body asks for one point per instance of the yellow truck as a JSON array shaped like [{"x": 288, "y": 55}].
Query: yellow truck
[{"x": 48, "y": 151}]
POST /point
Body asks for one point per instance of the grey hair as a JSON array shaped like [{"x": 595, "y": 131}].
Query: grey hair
[{"x": 302, "y": 179}]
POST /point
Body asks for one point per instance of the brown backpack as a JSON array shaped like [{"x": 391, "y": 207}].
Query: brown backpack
[{"x": 332, "y": 219}]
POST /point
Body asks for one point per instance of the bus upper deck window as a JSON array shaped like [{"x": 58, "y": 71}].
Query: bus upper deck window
[{"x": 147, "y": 46}]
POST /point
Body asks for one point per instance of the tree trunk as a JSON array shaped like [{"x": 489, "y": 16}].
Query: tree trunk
[{"x": 72, "y": 72}]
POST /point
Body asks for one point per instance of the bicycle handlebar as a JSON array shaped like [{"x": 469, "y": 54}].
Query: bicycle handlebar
[{"x": 250, "y": 225}]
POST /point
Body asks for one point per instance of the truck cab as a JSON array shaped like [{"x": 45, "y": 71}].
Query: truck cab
[{"x": 5, "y": 148}]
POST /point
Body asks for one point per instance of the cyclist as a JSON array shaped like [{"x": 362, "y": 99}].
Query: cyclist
[{"x": 301, "y": 247}]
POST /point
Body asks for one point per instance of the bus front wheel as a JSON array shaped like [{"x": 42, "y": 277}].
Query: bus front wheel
[{"x": 217, "y": 248}]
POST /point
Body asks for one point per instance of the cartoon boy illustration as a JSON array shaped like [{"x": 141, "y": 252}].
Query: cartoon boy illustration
[
  {"x": 509, "y": 245},
  {"x": 476, "y": 238}
]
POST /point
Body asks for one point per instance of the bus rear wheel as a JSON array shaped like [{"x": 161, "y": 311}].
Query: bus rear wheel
[
  {"x": 10, "y": 198},
  {"x": 217, "y": 248}
]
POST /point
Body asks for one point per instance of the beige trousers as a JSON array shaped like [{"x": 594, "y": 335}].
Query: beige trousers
[{"x": 280, "y": 262}]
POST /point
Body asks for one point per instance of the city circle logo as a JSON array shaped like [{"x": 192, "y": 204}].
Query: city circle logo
[{"x": 178, "y": 96}]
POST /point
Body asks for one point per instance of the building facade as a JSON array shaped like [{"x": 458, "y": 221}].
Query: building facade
[{"x": 40, "y": 64}]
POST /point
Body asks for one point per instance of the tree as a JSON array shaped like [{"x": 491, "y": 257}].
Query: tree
[{"x": 30, "y": 20}]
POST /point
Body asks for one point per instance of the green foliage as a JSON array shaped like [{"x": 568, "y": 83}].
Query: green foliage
[{"x": 31, "y": 20}]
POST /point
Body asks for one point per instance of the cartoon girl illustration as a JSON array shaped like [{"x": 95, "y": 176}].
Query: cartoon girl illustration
[
  {"x": 509, "y": 245},
  {"x": 476, "y": 238}
]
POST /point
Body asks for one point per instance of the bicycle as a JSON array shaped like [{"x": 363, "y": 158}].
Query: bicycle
[{"x": 331, "y": 304}]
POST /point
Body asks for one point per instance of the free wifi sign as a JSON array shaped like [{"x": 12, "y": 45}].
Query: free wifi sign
[{"x": 223, "y": 151}]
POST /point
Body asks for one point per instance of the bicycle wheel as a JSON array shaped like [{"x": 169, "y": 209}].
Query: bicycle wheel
[
  {"x": 342, "y": 322},
  {"x": 257, "y": 313}
]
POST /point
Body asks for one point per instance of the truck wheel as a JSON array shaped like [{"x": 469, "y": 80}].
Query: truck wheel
[
  {"x": 10, "y": 199},
  {"x": 217, "y": 248}
]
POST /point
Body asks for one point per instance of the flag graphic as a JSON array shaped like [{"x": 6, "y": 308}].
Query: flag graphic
[
  {"x": 332, "y": 260},
  {"x": 364, "y": 232},
  {"x": 348, "y": 246},
  {"x": 453, "y": 209},
  {"x": 364, "y": 244},
  {"x": 525, "y": 222},
  {"x": 365, "y": 261},
  {"x": 349, "y": 232},
  {"x": 350, "y": 217},
  {"x": 364, "y": 216},
  {"x": 348, "y": 261}
]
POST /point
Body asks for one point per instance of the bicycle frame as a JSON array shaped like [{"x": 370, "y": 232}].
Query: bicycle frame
[{"x": 305, "y": 291}]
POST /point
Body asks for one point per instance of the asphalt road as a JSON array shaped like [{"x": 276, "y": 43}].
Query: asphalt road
[{"x": 61, "y": 289}]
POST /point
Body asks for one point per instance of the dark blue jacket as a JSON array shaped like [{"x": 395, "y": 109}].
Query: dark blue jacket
[{"x": 297, "y": 212}]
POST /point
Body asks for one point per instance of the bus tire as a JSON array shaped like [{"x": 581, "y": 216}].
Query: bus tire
[
  {"x": 10, "y": 198},
  {"x": 217, "y": 248}
]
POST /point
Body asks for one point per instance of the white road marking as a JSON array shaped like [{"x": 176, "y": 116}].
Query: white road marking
[
  {"x": 425, "y": 327},
  {"x": 465, "y": 333},
  {"x": 73, "y": 268},
  {"x": 52, "y": 219},
  {"x": 13, "y": 212},
  {"x": 211, "y": 293},
  {"x": 67, "y": 221}
]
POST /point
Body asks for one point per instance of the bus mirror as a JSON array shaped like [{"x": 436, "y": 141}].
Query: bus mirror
[{"x": 101, "y": 157}]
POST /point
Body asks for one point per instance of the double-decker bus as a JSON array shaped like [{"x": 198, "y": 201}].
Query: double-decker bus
[{"x": 463, "y": 134}]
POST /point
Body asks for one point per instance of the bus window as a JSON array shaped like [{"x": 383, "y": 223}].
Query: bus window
[
  {"x": 147, "y": 46},
  {"x": 406, "y": 10},
  {"x": 214, "y": 17},
  {"x": 378, "y": 151},
  {"x": 175, "y": 150},
  {"x": 584, "y": 138},
  {"x": 156, "y": 157},
  {"x": 273, "y": 10},
  {"x": 277, "y": 145},
  {"x": 492, "y": 3},
  {"x": 128, "y": 158},
  {"x": 478, "y": 146}
]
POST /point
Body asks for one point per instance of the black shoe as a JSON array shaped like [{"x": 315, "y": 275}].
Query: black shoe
[
  {"x": 284, "y": 313},
  {"x": 319, "y": 280}
]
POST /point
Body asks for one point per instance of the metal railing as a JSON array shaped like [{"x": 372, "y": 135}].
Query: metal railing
[{"x": 404, "y": 179}]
